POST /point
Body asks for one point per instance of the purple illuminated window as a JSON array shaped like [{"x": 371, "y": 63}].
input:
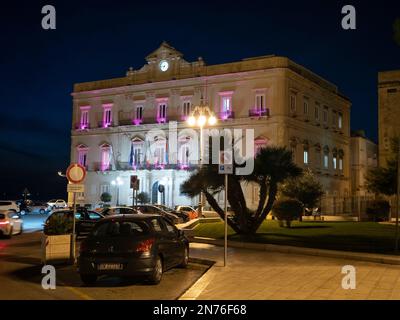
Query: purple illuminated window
[
  {"x": 84, "y": 123},
  {"x": 107, "y": 115},
  {"x": 162, "y": 113}
]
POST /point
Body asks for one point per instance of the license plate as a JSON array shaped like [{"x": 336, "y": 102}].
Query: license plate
[{"x": 110, "y": 266}]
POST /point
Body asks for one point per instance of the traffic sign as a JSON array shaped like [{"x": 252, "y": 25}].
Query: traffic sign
[
  {"x": 76, "y": 173},
  {"x": 75, "y": 188},
  {"x": 134, "y": 183}
]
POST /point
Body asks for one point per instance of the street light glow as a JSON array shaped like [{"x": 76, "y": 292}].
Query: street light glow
[
  {"x": 202, "y": 121},
  {"x": 212, "y": 120},
  {"x": 191, "y": 121}
]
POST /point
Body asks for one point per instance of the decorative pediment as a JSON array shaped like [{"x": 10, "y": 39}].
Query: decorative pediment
[{"x": 164, "y": 51}]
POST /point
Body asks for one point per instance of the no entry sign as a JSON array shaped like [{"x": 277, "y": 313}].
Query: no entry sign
[{"x": 76, "y": 173}]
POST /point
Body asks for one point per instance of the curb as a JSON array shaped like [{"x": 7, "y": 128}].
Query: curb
[{"x": 358, "y": 256}]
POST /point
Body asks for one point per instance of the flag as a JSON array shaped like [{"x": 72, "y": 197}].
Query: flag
[{"x": 131, "y": 156}]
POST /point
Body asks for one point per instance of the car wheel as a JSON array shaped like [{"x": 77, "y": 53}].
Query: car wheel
[
  {"x": 88, "y": 279},
  {"x": 41, "y": 211},
  {"x": 156, "y": 276},
  {"x": 185, "y": 260},
  {"x": 9, "y": 236}
]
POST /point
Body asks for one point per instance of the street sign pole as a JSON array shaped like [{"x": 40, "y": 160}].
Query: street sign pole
[
  {"x": 226, "y": 221},
  {"x": 73, "y": 240}
]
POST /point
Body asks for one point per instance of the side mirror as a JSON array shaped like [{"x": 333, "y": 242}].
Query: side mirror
[{"x": 15, "y": 216}]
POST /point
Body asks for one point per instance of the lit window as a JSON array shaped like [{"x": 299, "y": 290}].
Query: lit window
[
  {"x": 305, "y": 156},
  {"x": 84, "y": 118},
  {"x": 105, "y": 157},
  {"x": 326, "y": 161},
  {"x": 136, "y": 155},
  {"x": 139, "y": 112},
  {"x": 184, "y": 155},
  {"x": 260, "y": 102},
  {"x": 226, "y": 104},
  {"x": 162, "y": 113},
  {"x": 82, "y": 155},
  {"x": 107, "y": 115},
  {"x": 341, "y": 164},
  {"x": 186, "y": 108},
  {"x": 340, "y": 120},
  {"x": 334, "y": 161}
]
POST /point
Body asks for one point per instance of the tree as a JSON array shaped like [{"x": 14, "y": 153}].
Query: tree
[
  {"x": 272, "y": 165},
  {"x": 306, "y": 189},
  {"x": 105, "y": 197},
  {"x": 383, "y": 180},
  {"x": 143, "y": 197}
]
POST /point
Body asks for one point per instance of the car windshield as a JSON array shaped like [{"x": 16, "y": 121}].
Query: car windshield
[
  {"x": 52, "y": 200},
  {"x": 120, "y": 228}
]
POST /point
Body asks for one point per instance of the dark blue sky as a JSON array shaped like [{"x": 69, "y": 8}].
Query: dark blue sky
[{"x": 101, "y": 39}]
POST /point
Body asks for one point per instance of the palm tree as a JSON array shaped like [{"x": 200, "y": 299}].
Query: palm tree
[{"x": 272, "y": 165}]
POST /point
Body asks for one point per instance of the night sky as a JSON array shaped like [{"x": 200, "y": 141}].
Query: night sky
[{"x": 101, "y": 39}]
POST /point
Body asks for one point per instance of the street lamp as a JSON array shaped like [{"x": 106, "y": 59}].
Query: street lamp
[
  {"x": 200, "y": 117},
  {"x": 117, "y": 182}
]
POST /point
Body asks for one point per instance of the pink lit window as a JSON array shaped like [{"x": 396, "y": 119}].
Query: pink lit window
[
  {"x": 162, "y": 113},
  {"x": 226, "y": 104},
  {"x": 107, "y": 116},
  {"x": 260, "y": 102},
  {"x": 82, "y": 155},
  {"x": 105, "y": 158},
  {"x": 84, "y": 124}
]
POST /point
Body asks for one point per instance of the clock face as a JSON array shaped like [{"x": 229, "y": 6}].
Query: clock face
[{"x": 164, "y": 65}]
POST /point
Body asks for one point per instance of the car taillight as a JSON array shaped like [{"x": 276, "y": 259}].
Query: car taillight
[
  {"x": 4, "y": 222},
  {"x": 145, "y": 246}
]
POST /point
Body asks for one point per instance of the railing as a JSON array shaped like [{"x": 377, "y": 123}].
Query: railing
[
  {"x": 81, "y": 126},
  {"x": 98, "y": 166},
  {"x": 255, "y": 112},
  {"x": 226, "y": 115},
  {"x": 126, "y": 166}
]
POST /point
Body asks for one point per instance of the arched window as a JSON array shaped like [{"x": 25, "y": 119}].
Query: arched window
[
  {"x": 334, "y": 158},
  {"x": 136, "y": 155},
  {"x": 105, "y": 161},
  {"x": 341, "y": 157},
  {"x": 82, "y": 151},
  {"x": 184, "y": 152}
]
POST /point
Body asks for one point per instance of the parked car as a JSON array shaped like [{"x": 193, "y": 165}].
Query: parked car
[
  {"x": 152, "y": 209},
  {"x": 84, "y": 220},
  {"x": 9, "y": 204},
  {"x": 183, "y": 215},
  {"x": 111, "y": 211},
  {"x": 132, "y": 245},
  {"x": 30, "y": 206},
  {"x": 190, "y": 211},
  {"x": 56, "y": 204},
  {"x": 10, "y": 223}
]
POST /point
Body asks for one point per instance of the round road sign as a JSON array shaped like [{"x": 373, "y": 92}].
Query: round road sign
[{"x": 76, "y": 173}]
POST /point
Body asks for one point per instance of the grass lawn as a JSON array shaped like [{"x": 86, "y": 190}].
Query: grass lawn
[{"x": 348, "y": 236}]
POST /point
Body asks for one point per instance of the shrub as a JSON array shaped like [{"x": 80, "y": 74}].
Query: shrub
[
  {"x": 143, "y": 197},
  {"x": 105, "y": 197},
  {"x": 378, "y": 210},
  {"x": 287, "y": 210},
  {"x": 59, "y": 225}
]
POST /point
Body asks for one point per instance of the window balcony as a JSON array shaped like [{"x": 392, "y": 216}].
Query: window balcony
[
  {"x": 102, "y": 124},
  {"x": 126, "y": 166},
  {"x": 226, "y": 115},
  {"x": 99, "y": 166},
  {"x": 82, "y": 126},
  {"x": 256, "y": 112}
]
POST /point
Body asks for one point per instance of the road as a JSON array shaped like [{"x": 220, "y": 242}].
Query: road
[{"x": 20, "y": 275}]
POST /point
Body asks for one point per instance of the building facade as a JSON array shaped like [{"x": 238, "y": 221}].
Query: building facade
[
  {"x": 389, "y": 111},
  {"x": 364, "y": 157},
  {"x": 284, "y": 103}
]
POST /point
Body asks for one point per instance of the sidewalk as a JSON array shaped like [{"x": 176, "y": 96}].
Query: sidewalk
[{"x": 262, "y": 275}]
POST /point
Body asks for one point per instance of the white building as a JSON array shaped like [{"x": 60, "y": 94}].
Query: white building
[{"x": 283, "y": 102}]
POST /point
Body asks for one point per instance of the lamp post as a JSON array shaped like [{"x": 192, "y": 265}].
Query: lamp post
[
  {"x": 200, "y": 117},
  {"x": 117, "y": 182}
]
